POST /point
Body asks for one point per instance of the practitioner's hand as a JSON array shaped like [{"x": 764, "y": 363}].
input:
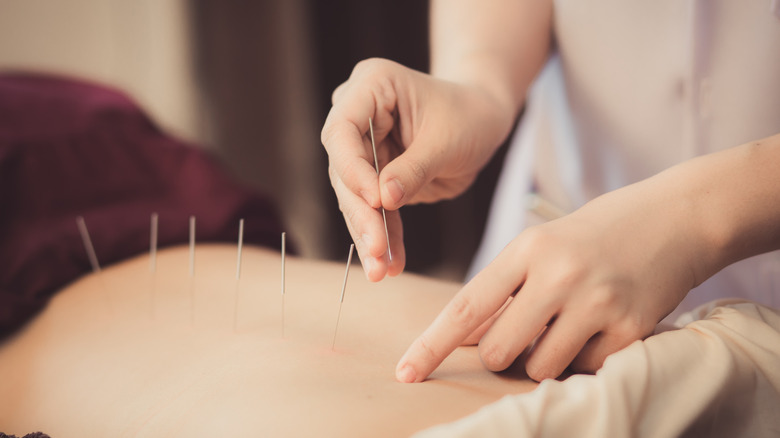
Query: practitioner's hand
[
  {"x": 583, "y": 286},
  {"x": 432, "y": 138}
]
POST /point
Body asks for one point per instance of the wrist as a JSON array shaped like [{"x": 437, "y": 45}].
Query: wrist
[
  {"x": 482, "y": 74},
  {"x": 732, "y": 203}
]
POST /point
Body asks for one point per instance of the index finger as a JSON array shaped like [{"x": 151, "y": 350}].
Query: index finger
[
  {"x": 344, "y": 137},
  {"x": 472, "y": 305}
]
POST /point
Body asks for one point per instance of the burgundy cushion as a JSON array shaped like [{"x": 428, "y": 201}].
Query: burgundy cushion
[{"x": 70, "y": 148}]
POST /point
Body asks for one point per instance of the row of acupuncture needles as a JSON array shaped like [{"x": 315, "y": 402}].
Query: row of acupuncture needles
[{"x": 153, "y": 240}]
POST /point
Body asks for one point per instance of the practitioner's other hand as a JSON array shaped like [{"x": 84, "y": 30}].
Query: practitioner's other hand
[
  {"x": 581, "y": 287},
  {"x": 432, "y": 138}
]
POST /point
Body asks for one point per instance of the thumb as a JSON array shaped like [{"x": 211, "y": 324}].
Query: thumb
[{"x": 403, "y": 177}]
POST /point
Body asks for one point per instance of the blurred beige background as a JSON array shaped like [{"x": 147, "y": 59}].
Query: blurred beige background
[
  {"x": 251, "y": 82},
  {"x": 141, "y": 46},
  {"x": 145, "y": 47}
]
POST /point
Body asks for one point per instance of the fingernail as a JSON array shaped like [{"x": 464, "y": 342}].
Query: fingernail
[
  {"x": 368, "y": 265},
  {"x": 396, "y": 190},
  {"x": 406, "y": 374}
]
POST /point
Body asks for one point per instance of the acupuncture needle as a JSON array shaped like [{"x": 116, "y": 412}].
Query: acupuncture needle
[
  {"x": 376, "y": 165},
  {"x": 153, "y": 260},
  {"x": 82, "y": 225},
  {"x": 192, "y": 269},
  {"x": 341, "y": 300},
  {"x": 88, "y": 244},
  {"x": 283, "y": 285},
  {"x": 238, "y": 271},
  {"x": 153, "y": 243}
]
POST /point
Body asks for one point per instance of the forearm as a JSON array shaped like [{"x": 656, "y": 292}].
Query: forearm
[
  {"x": 734, "y": 201},
  {"x": 496, "y": 45}
]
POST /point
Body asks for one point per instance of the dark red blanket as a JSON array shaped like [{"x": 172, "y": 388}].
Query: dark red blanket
[{"x": 70, "y": 148}]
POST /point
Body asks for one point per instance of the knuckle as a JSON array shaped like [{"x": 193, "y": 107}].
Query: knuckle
[
  {"x": 536, "y": 237},
  {"x": 384, "y": 92},
  {"x": 532, "y": 240},
  {"x": 494, "y": 356},
  {"x": 461, "y": 310},
  {"x": 571, "y": 270},
  {"x": 539, "y": 371},
  {"x": 419, "y": 169},
  {"x": 349, "y": 172},
  {"x": 363, "y": 65},
  {"x": 635, "y": 327},
  {"x": 371, "y": 66},
  {"x": 334, "y": 97},
  {"x": 604, "y": 299},
  {"x": 348, "y": 212},
  {"x": 426, "y": 347},
  {"x": 377, "y": 76},
  {"x": 327, "y": 133}
]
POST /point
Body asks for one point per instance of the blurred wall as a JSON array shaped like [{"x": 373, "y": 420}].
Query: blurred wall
[
  {"x": 252, "y": 81},
  {"x": 141, "y": 46},
  {"x": 257, "y": 78}
]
